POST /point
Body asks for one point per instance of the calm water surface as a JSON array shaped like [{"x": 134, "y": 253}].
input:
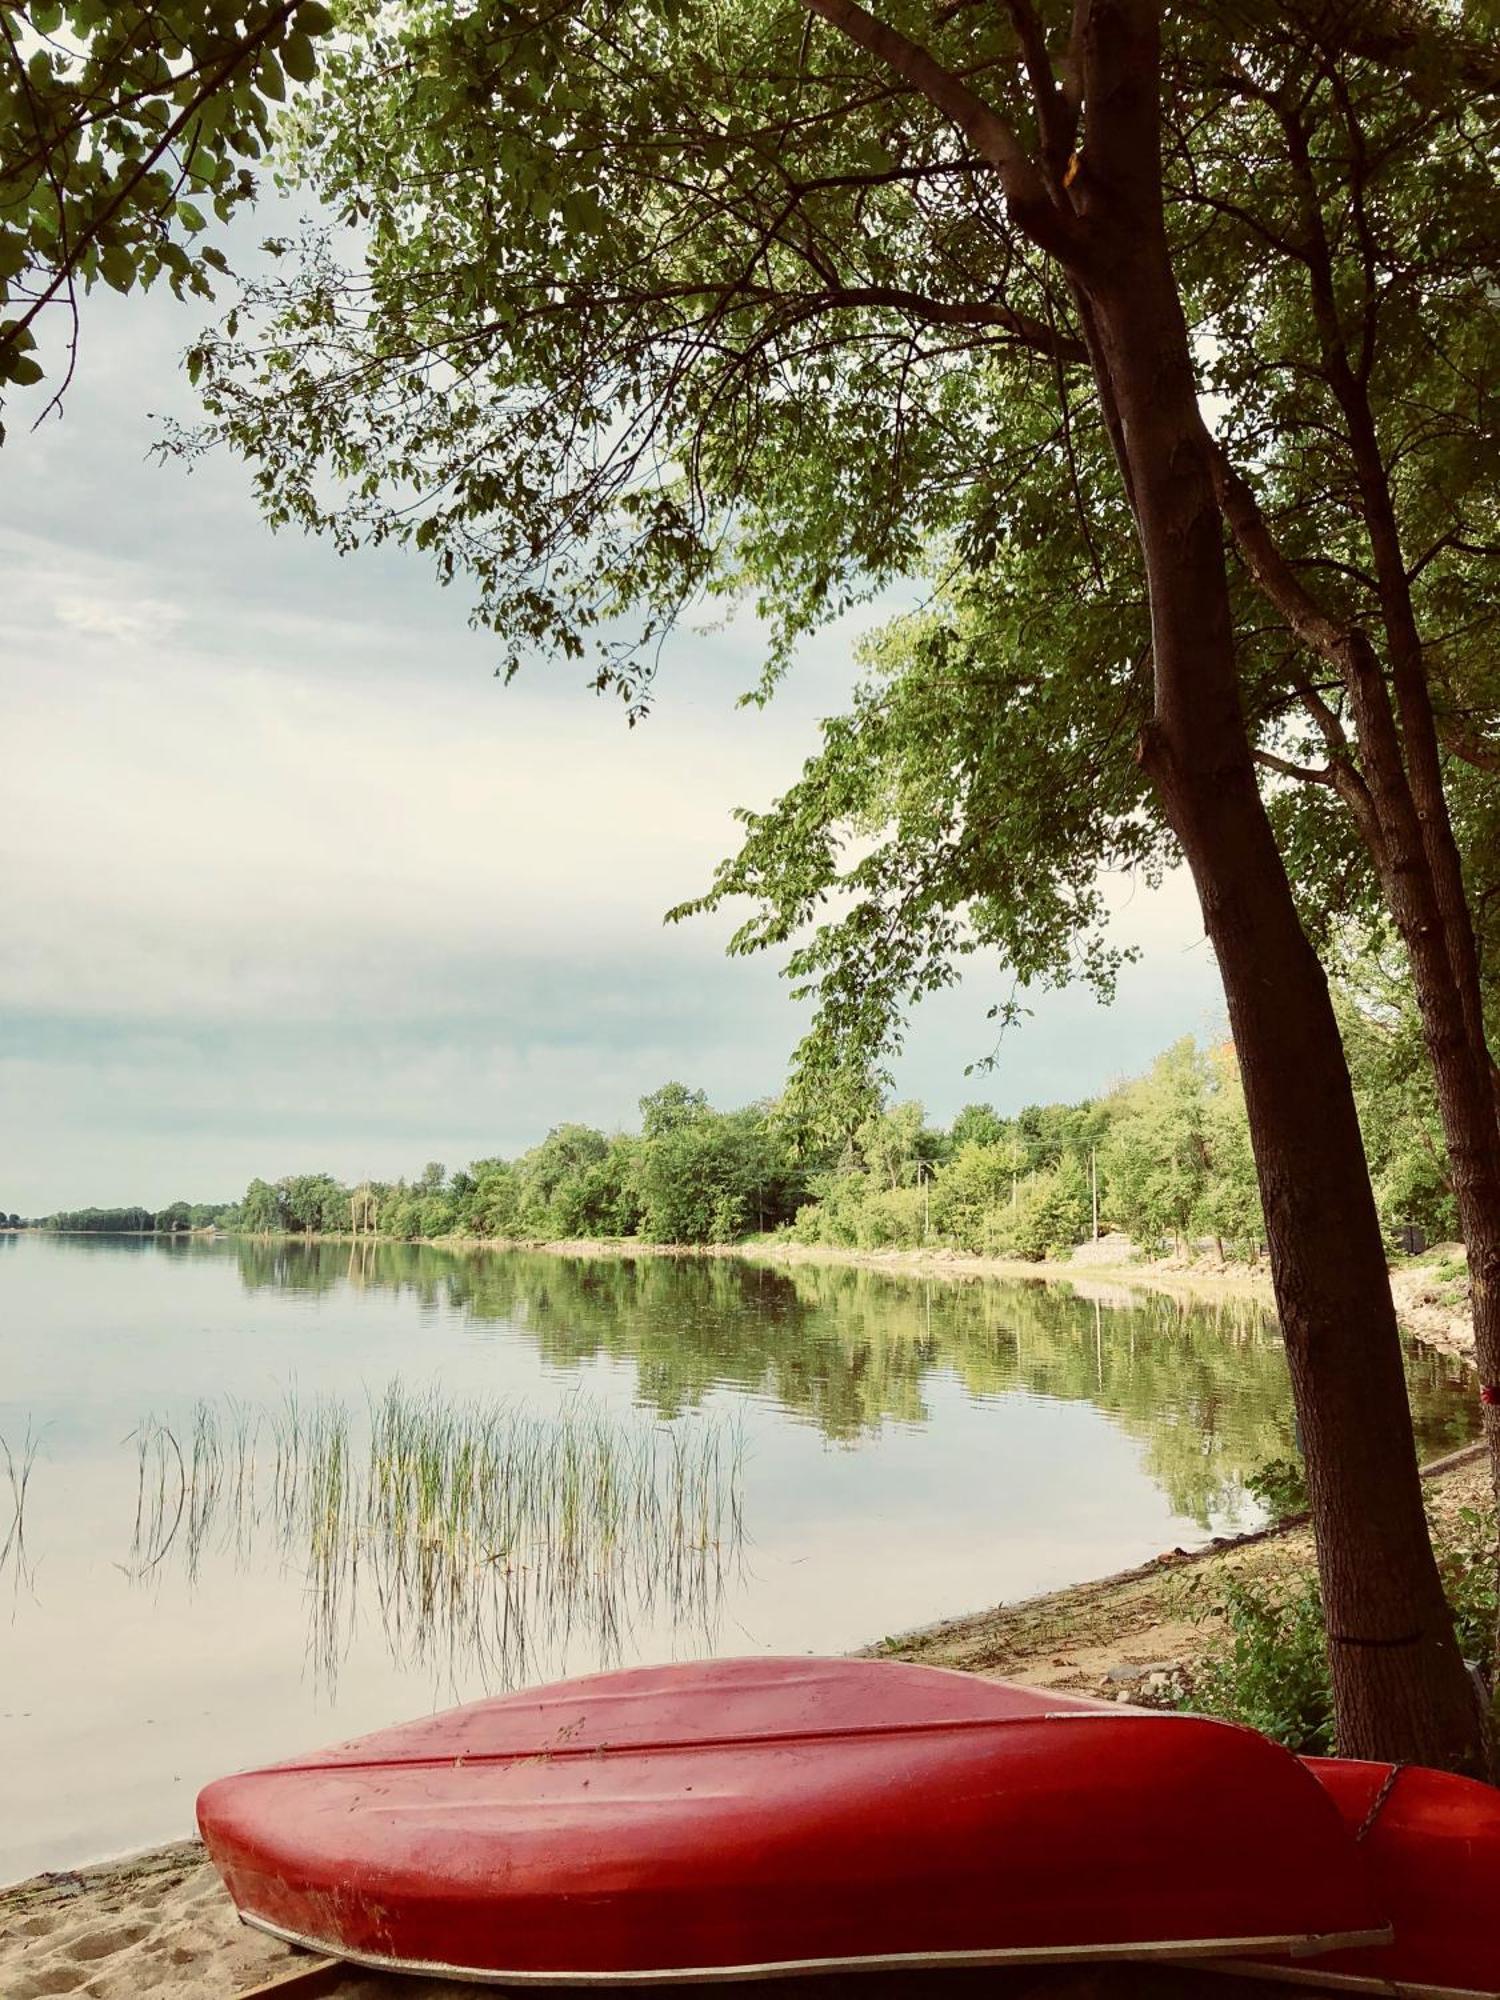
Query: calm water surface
[{"x": 280, "y": 1494}]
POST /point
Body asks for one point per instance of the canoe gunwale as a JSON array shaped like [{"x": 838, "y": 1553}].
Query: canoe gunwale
[{"x": 1300, "y": 1943}]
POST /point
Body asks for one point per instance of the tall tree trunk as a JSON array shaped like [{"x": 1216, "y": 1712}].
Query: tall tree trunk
[{"x": 1400, "y": 1686}]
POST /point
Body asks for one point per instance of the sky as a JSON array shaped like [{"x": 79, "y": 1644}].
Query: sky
[{"x": 293, "y": 883}]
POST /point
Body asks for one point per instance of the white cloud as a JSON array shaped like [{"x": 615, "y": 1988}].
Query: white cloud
[{"x": 125, "y": 623}]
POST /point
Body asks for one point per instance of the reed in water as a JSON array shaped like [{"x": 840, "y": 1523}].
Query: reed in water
[
  {"x": 19, "y": 1463},
  {"x": 489, "y": 1537}
]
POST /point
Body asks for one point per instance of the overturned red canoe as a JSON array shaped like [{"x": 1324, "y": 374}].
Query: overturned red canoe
[{"x": 743, "y": 1818}]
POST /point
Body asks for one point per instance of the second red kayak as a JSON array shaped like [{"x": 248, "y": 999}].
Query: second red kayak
[
  {"x": 1431, "y": 1843},
  {"x": 746, "y": 1818}
]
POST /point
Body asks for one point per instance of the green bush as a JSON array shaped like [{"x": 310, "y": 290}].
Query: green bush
[
  {"x": 1267, "y": 1663},
  {"x": 1467, "y": 1563},
  {"x": 1280, "y": 1485}
]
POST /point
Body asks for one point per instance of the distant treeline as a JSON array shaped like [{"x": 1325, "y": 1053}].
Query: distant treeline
[
  {"x": 1165, "y": 1157},
  {"x": 177, "y": 1217}
]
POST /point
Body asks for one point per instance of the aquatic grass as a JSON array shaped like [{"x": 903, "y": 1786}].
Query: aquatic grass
[
  {"x": 488, "y": 1536},
  {"x": 20, "y": 1462}
]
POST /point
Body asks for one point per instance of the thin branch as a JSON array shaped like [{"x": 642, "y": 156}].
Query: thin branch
[{"x": 1303, "y": 772}]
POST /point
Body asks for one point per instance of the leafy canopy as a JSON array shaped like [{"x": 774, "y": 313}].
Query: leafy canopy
[{"x": 124, "y": 130}]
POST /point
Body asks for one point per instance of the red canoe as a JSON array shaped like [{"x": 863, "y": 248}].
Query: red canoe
[
  {"x": 1432, "y": 1845},
  {"x": 743, "y": 1818}
]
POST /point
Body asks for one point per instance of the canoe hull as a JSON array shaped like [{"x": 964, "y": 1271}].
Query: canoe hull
[{"x": 763, "y": 1818}]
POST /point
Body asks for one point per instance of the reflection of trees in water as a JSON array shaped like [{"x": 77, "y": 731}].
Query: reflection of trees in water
[
  {"x": 487, "y": 1538},
  {"x": 1203, "y": 1386}
]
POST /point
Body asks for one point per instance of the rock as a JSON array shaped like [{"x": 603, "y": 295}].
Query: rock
[{"x": 1127, "y": 1675}]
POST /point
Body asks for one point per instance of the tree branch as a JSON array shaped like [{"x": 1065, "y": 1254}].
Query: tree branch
[
  {"x": 1459, "y": 741},
  {"x": 1025, "y": 192},
  {"x": 1303, "y": 772}
]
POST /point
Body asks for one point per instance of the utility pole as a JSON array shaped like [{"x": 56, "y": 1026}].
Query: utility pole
[
  {"x": 924, "y": 1176},
  {"x": 1094, "y": 1184}
]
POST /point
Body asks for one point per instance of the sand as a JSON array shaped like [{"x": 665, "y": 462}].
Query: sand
[{"x": 156, "y": 1924}]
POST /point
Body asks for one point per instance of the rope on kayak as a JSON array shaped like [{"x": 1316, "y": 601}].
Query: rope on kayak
[{"x": 1376, "y": 1804}]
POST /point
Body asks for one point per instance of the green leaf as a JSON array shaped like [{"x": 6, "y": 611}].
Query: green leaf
[
  {"x": 299, "y": 59},
  {"x": 313, "y": 19},
  {"x": 21, "y": 369},
  {"x": 117, "y": 266},
  {"x": 191, "y": 218}
]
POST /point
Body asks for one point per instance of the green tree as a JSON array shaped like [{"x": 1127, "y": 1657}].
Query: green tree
[
  {"x": 545, "y": 1177},
  {"x": 1393, "y": 1085},
  {"x": 970, "y": 1191},
  {"x": 633, "y": 327},
  {"x": 976, "y": 1125},
  {"x": 715, "y": 1177},
  {"x": 672, "y": 1106},
  {"x": 119, "y": 126},
  {"x": 1229, "y": 1207},
  {"x": 260, "y": 1211},
  {"x": 894, "y": 1142},
  {"x": 1155, "y": 1158}
]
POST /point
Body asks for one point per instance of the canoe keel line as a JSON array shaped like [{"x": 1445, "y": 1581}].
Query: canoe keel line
[{"x": 741, "y": 1820}]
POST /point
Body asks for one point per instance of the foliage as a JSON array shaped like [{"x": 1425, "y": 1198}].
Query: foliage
[
  {"x": 1280, "y": 1485},
  {"x": 630, "y": 328},
  {"x": 175, "y": 1218},
  {"x": 1467, "y": 1561},
  {"x": 1393, "y": 1085},
  {"x": 1170, "y": 1152},
  {"x": 119, "y": 126},
  {"x": 1267, "y": 1663}
]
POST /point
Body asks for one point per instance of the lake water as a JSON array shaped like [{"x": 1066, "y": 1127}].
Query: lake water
[{"x": 279, "y": 1494}]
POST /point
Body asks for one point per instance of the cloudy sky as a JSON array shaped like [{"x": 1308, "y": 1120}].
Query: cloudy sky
[{"x": 293, "y": 882}]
